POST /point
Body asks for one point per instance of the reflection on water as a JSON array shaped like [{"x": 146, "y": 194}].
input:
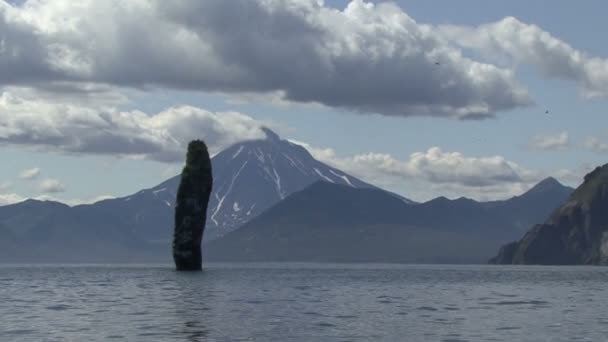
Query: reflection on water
[{"x": 303, "y": 302}]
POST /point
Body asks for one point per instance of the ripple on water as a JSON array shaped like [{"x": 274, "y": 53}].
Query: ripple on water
[
  {"x": 518, "y": 302},
  {"x": 451, "y": 308},
  {"x": 325, "y": 325},
  {"x": 19, "y": 332},
  {"x": 507, "y": 328},
  {"x": 426, "y": 308},
  {"x": 506, "y": 295},
  {"x": 346, "y": 316},
  {"x": 302, "y": 287},
  {"x": 59, "y": 307}
]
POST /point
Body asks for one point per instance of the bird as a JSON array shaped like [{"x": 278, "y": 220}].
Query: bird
[
  {"x": 547, "y": 111},
  {"x": 437, "y": 63}
]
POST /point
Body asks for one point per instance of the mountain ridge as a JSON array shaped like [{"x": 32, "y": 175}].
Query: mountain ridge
[
  {"x": 252, "y": 177},
  {"x": 331, "y": 223}
]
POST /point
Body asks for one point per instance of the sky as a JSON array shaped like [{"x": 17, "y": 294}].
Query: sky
[{"x": 425, "y": 98}]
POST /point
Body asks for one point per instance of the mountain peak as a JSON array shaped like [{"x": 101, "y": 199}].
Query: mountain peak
[
  {"x": 549, "y": 182},
  {"x": 270, "y": 134},
  {"x": 546, "y": 185}
]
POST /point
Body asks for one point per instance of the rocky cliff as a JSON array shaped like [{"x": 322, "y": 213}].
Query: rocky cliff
[{"x": 576, "y": 233}]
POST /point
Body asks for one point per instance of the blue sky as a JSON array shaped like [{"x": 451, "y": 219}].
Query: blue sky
[{"x": 85, "y": 175}]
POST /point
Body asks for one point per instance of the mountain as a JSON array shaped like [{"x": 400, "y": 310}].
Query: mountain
[
  {"x": 333, "y": 223},
  {"x": 249, "y": 178},
  {"x": 51, "y": 231},
  {"x": 576, "y": 233},
  {"x": 260, "y": 179},
  {"x": 533, "y": 206}
]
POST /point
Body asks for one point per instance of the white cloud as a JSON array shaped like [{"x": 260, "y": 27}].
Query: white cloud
[
  {"x": 551, "y": 142},
  {"x": 529, "y": 44},
  {"x": 437, "y": 166},
  {"x": 12, "y": 198},
  {"x": 365, "y": 58},
  {"x": 435, "y": 172},
  {"x": 49, "y": 186},
  {"x": 574, "y": 177},
  {"x": 5, "y": 186},
  {"x": 79, "y": 129},
  {"x": 6, "y": 199},
  {"x": 596, "y": 145},
  {"x": 29, "y": 174},
  {"x": 74, "y": 201},
  {"x": 170, "y": 171}
]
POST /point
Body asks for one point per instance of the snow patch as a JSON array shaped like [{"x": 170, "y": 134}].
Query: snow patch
[
  {"x": 221, "y": 200},
  {"x": 238, "y": 152},
  {"x": 274, "y": 176},
  {"x": 159, "y": 190},
  {"x": 260, "y": 155},
  {"x": 344, "y": 177},
  {"x": 278, "y": 183},
  {"x": 168, "y": 203},
  {"x": 323, "y": 176},
  {"x": 293, "y": 163}
]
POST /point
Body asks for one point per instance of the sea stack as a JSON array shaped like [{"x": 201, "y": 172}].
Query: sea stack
[{"x": 191, "y": 208}]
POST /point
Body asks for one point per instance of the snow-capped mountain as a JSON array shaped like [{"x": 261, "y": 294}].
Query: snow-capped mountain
[
  {"x": 248, "y": 178},
  {"x": 251, "y": 177}
]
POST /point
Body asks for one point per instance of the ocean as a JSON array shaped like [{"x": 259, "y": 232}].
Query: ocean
[{"x": 303, "y": 302}]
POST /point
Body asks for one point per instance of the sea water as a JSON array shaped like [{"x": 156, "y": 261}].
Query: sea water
[{"x": 303, "y": 302}]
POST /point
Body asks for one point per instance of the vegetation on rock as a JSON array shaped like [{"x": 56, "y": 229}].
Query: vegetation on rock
[{"x": 191, "y": 208}]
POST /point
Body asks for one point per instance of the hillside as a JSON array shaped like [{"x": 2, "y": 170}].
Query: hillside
[{"x": 576, "y": 233}]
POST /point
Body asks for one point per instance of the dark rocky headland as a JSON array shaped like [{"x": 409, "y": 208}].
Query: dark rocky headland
[{"x": 575, "y": 234}]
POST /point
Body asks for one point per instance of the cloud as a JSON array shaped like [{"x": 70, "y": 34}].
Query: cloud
[
  {"x": 11, "y": 198},
  {"x": 368, "y": 58},
  {"x": 574, "y": 177},
  {"x": 74, "y": 201},
  {"x": 50, "y": 186},
  {"x": 29, "y": 174},
  {"x": 436, "y": 172},
  {"x": 84, "y": 130},
  {"x": 559, "y": 141},
  {"x": 6, "y": 199},
  {"x": 5, "y": 186},
  {"x": 596, "y": 145},
  {"x": 523, "y": 43}
]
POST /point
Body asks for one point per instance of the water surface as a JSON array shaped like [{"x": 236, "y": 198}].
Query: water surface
[{"x": 303, "y": 302}]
